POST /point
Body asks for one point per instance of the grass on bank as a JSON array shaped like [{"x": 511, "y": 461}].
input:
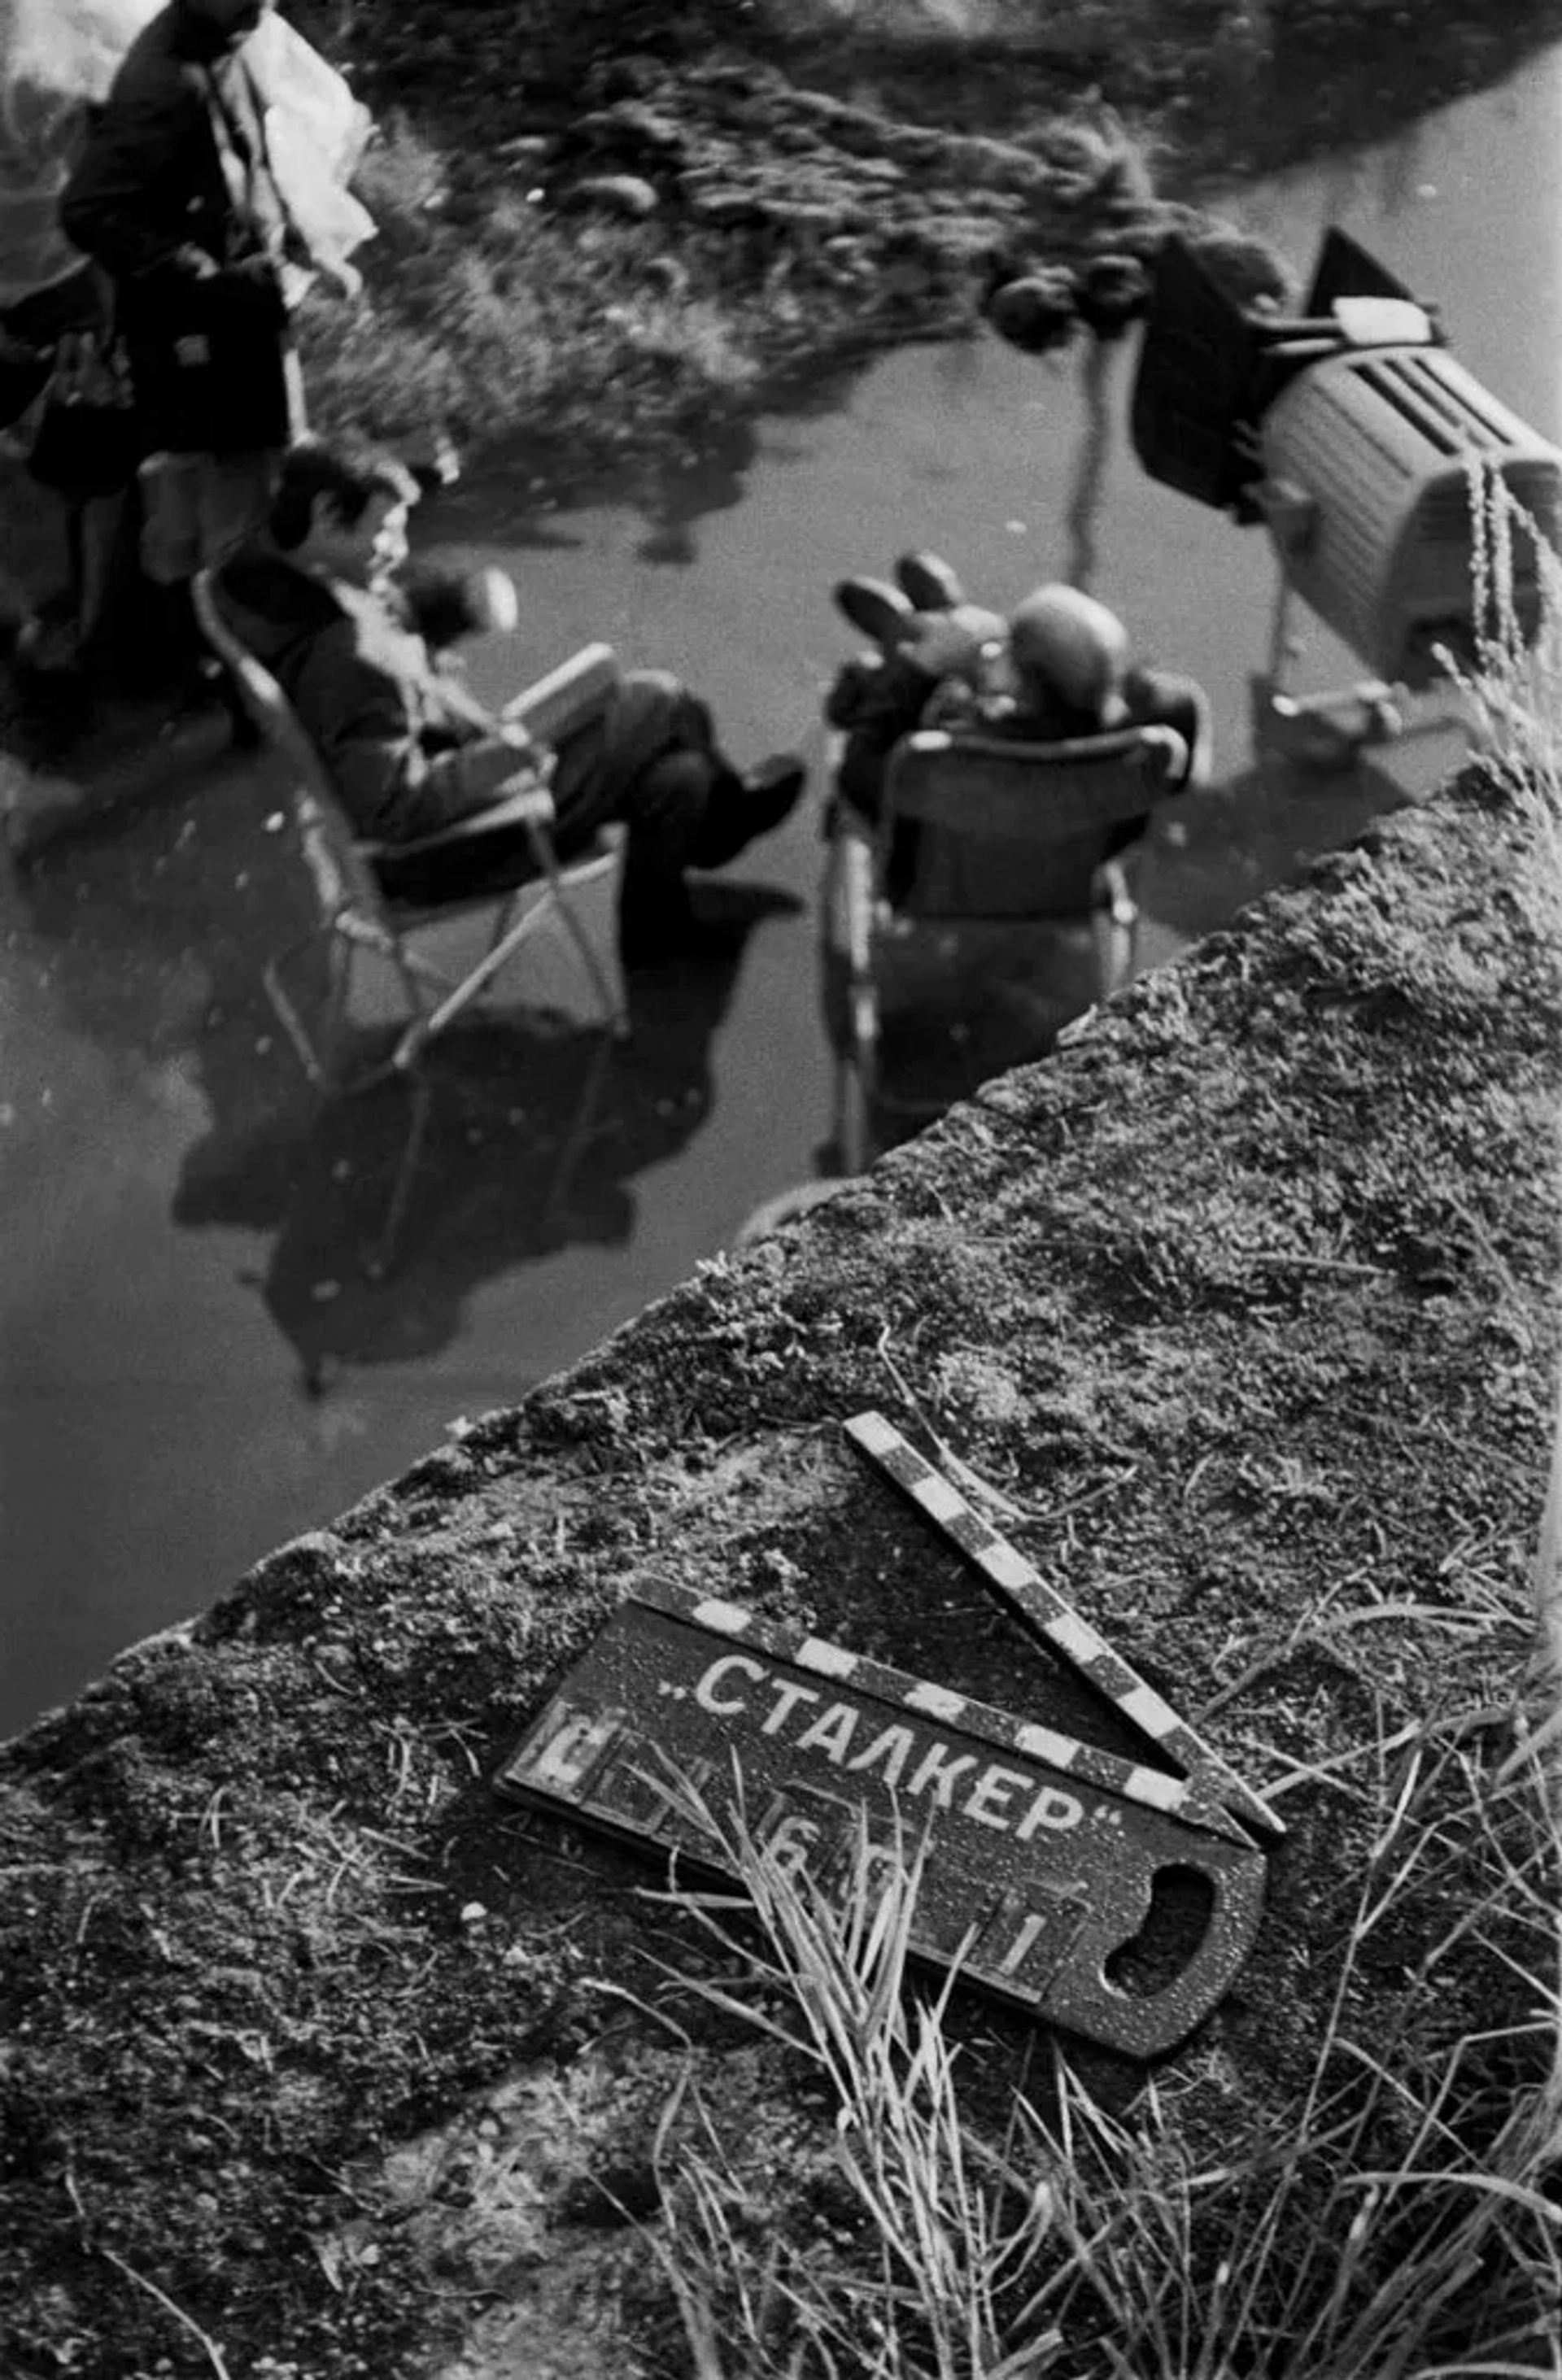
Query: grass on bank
[
  {"x": 498, "y": 310},
  {"x": 505, "y": 322},
  {"x": 1397, "y": 2227},
  {"x": 1399, "y": 2221}
]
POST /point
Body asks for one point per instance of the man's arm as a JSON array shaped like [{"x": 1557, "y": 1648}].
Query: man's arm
[
  {"x": 124, "y": 203},
  {"x": 1158, "y": 698},
  {"x": 357, "y": 714},
  {"x": 892, "y": 701}
]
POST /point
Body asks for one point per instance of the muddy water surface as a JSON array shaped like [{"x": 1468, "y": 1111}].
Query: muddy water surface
[{"x": 198, "y": 1354}]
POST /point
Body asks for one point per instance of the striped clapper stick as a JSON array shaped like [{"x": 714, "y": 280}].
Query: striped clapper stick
[{"x": 1212, "y": 1795}]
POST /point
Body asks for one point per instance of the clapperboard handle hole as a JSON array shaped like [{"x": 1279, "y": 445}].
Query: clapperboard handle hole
[{"x": 1181, "y": 1910}]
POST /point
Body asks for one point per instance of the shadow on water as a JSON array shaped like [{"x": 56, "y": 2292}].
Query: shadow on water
[
  {"x": 387, "y": 1209},
  {"x": 958, "y": 1006},
  {"x": 670, "y": 491},
  {"x": 1258, "y": 830},
  {"x": 524, "y": 1136}
]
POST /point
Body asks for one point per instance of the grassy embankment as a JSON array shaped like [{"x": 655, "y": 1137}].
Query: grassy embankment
[{"x": 827, "y": 175}]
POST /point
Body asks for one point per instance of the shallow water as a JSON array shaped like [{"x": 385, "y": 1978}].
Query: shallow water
[{"x": 198, "y": 1358}]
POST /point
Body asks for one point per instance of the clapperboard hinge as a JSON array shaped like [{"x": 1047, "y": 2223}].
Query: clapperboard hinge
[{"x": 1210, "y": 1794}]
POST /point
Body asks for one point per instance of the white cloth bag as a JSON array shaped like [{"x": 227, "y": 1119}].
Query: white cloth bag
[{"x": 59, "y": 56}]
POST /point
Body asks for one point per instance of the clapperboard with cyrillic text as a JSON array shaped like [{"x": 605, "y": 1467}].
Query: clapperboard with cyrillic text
[{"x": 1043, "y": 1855}]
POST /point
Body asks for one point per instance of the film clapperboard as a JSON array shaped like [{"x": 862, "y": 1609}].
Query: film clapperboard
[{"x": 1045, "y": 1854}]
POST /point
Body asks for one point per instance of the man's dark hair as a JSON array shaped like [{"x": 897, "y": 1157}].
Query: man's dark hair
[{"x": 350, "y": 478}]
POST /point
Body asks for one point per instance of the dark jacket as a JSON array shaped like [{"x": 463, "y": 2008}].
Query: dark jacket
[
  {"x": 876, "y": 706},
  {"x": 173, "y": 197},
  {"x": 409, "y": 749}
]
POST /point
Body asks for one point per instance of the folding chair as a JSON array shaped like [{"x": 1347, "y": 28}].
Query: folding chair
[
  {"x": 1009, "y": 836},
  {"x": 355, "y": 913}
]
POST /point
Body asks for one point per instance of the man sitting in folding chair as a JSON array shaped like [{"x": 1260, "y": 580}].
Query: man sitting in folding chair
[
  {"x": 991, "y": 779},
  {"x": 412, "y": 752},
  {"x": 1059, "y": 669}
]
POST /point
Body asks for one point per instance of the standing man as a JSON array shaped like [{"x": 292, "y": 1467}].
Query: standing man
[{"x": 175, "y": 196}]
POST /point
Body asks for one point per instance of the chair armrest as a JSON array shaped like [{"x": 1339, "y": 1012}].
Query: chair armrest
[
  {"x": 1175, "y": 759},
  {"x": 1171, "y": 749},
  {"x": 529, "y": 805}
]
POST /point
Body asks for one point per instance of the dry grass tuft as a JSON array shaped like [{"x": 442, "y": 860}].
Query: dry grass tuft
[{"x": 1394, "y": 2221}]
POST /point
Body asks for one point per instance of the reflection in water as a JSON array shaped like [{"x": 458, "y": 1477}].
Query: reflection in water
[
  {"x": 1088, "y": 495},
  {"x": 1400, "y": 172},
  {"x": 391, "y": 1208},
  {"x": 1238, "y": 840},
  {"x": 960, "y": 1005},
  {"x": 152, "y": 919},
  {"x": 672, "y": 493},
  {"x": 524, "y": 1136},
  {"x": 682, "y": 488}
]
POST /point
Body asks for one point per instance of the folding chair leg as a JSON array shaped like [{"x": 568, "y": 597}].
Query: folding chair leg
[
  {"x": 609, "y": 990},
  {"x": 1282, "y": 642},
  {"x": 308, "y": 1048},
  {"x": 378, "y": 1265},
  {"x": 287, "y": 1015},
  {"x": 854, "y": 1117},
  {"x": 608, "y": 987},
  {"x": 407, "y": 1056},
  {"x": 582, "y": 1126},
  {"x": 857, "y": 1084},
  {"x": 430, "y": 1021},
  {"x": 1115, "y": 926}
]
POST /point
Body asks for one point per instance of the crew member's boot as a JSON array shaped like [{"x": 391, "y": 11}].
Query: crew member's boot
[
  {"x": 880, "y": 610},
  {"x": 741, "y": 808},
  {"x": 657, "y": 919},
  {"x": 928, "y": 583}
]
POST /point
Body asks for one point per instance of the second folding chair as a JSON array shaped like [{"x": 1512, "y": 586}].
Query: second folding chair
[{"x": 1009, "y": 839}]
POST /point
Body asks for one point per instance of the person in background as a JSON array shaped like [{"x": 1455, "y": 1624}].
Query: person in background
[
  {"x": 174, "y": 195},
  {"x": 412, "y": 750},
  {"x": 68, "y": 530},
  {"x": 66, "y": 547}
]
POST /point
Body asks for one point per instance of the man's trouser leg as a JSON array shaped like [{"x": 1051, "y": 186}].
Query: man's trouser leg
[{"x": 650, "y": 762}]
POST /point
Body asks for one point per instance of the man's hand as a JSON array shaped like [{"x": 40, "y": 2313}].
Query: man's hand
[
  {"x": 535, "y": 757},
  {"x": 493, "y": 602}
]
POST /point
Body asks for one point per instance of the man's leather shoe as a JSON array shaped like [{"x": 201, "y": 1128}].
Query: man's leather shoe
[
  {"x": 873, "y": 605},
  {"x": 928, "y": 583},
  {"x": 773, "y": 787}
]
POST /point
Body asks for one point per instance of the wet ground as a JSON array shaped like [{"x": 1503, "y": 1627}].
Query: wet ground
[{"x": 227, "y": 1308}]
